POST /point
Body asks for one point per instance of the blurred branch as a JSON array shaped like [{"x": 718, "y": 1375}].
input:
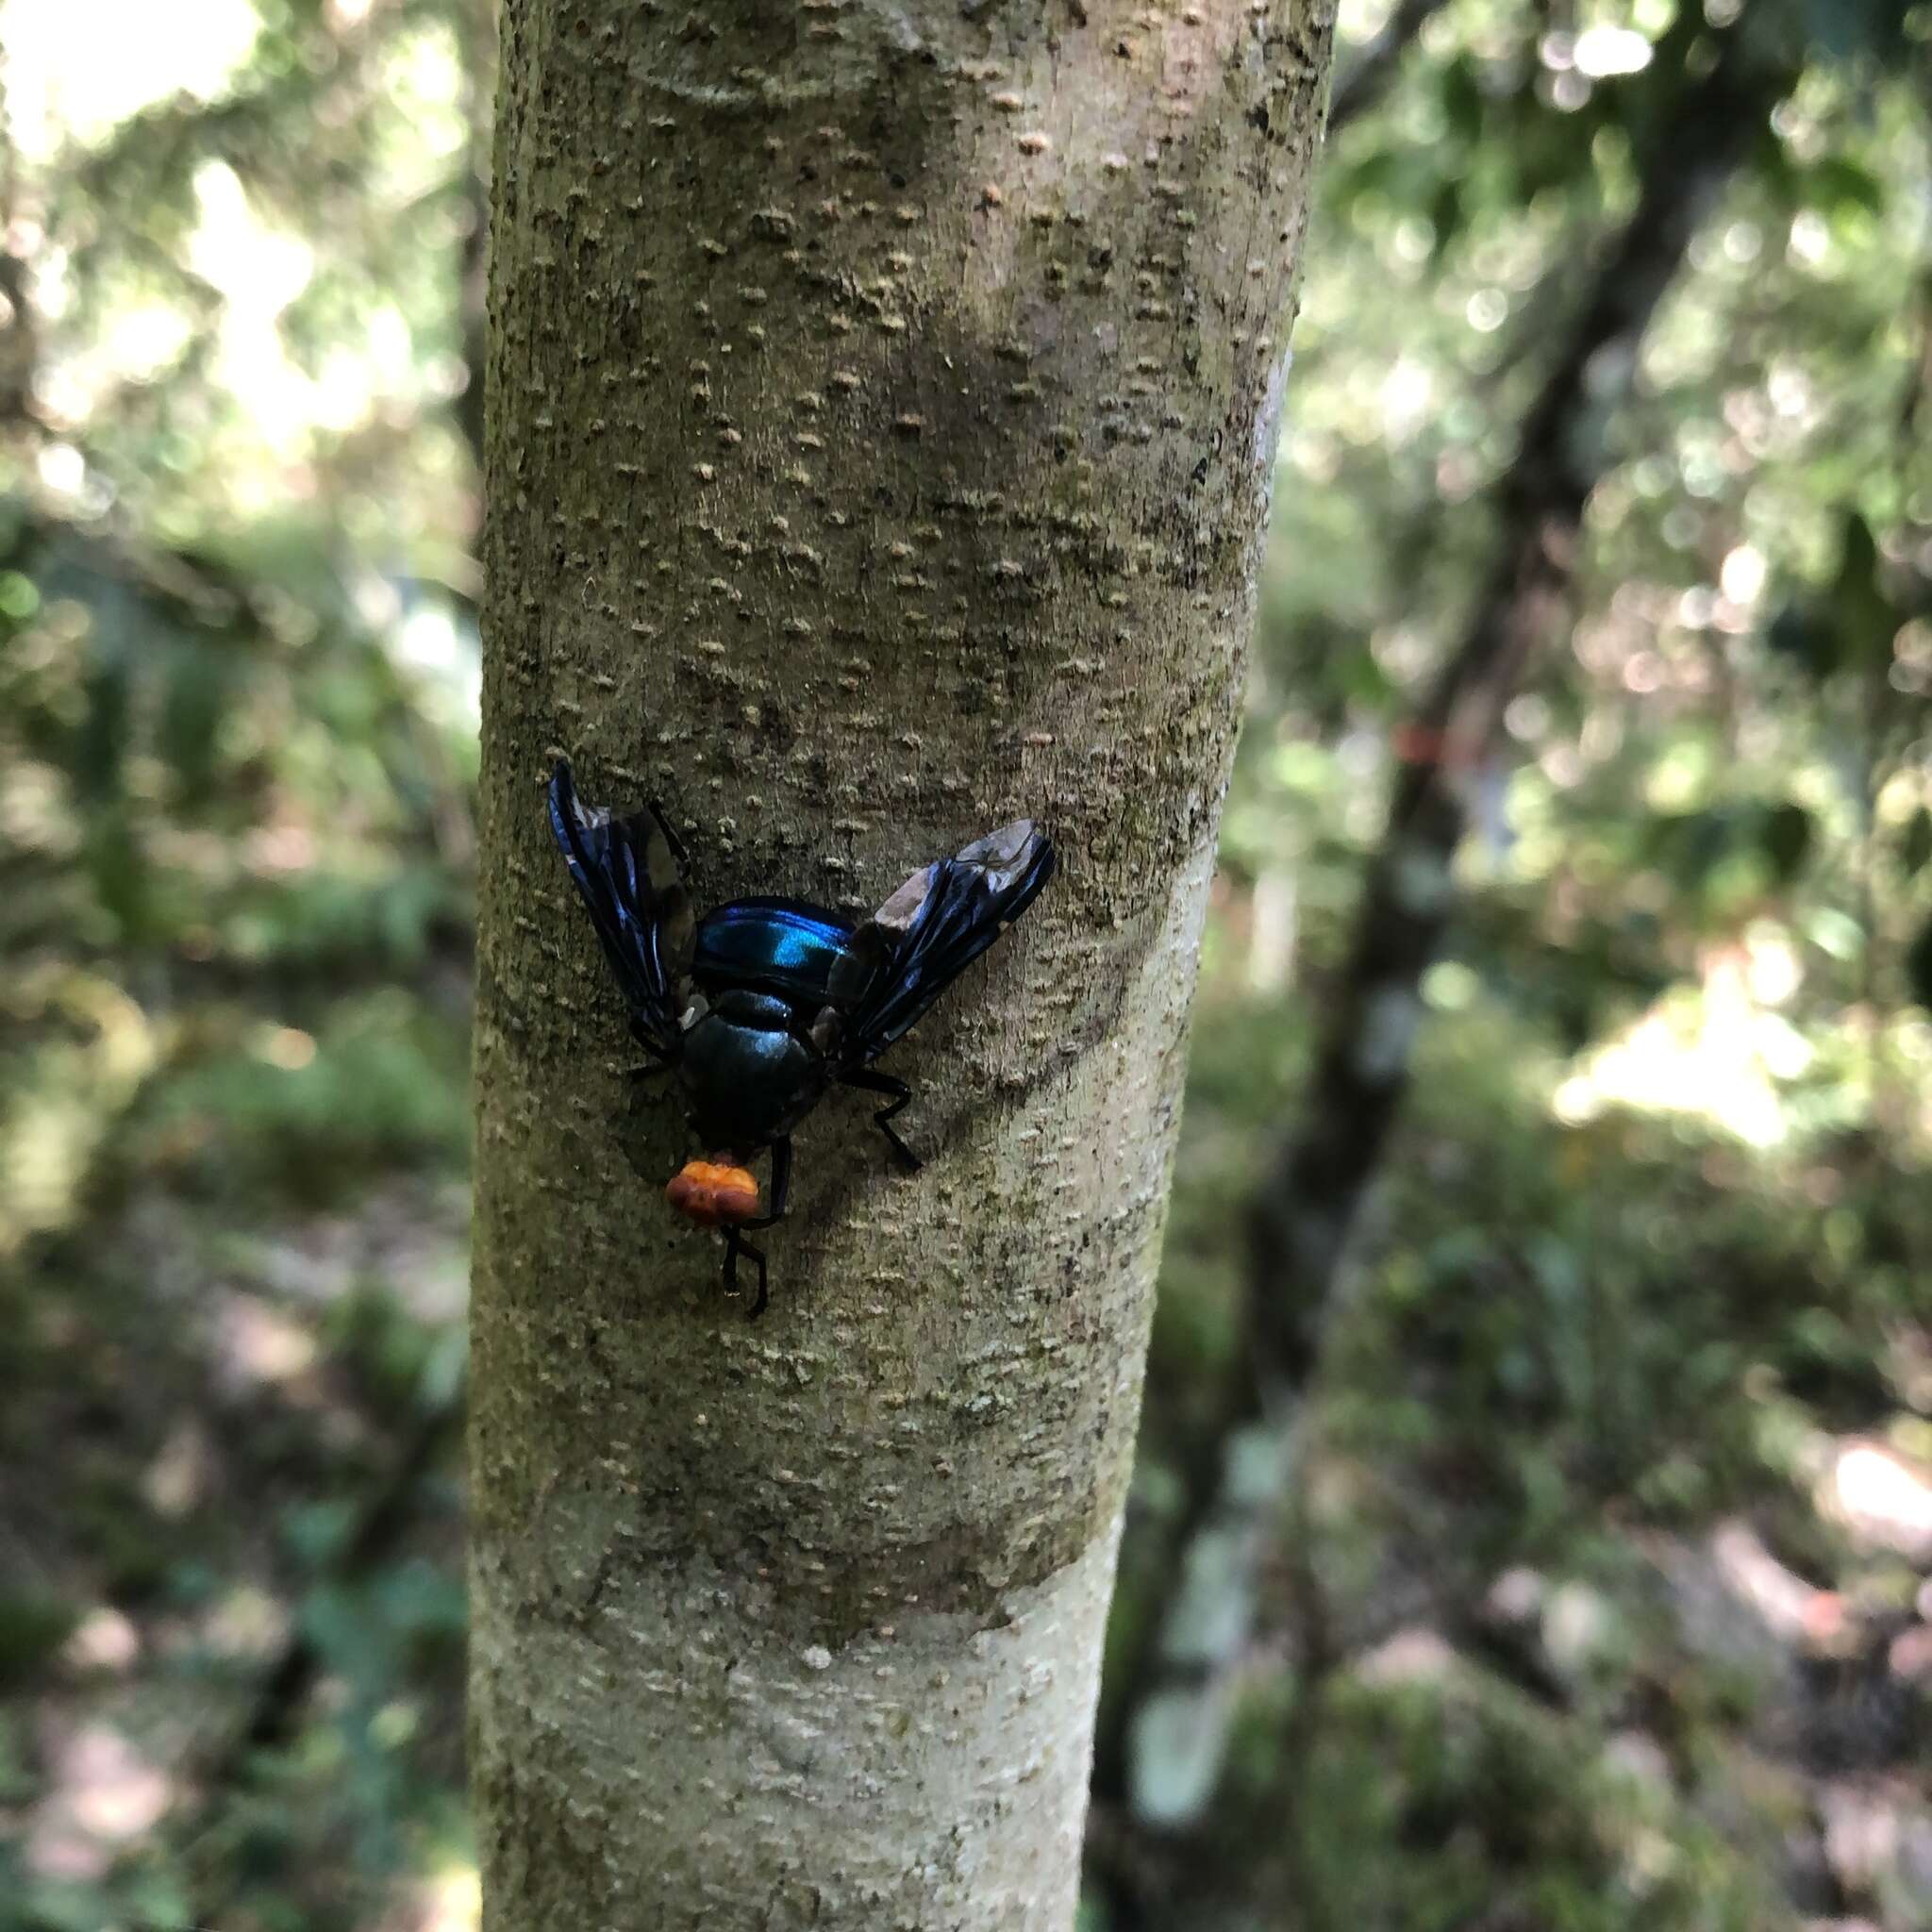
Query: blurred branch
[
  {"x": 475, "y": 25},
  {"x": 1918, "y": 387},
  {"x": 1304, "y": 1215},
  {"x": 1169, "y": 1760},
  {"x": 1369, "y": 74},
  {"x": 19, "y": 348},
  {"x": 19, "y": 335},
  {"x": 386, "y": 1514},
  {"x": 156, "y": 150},
  {"x": 472, "y": 300}
]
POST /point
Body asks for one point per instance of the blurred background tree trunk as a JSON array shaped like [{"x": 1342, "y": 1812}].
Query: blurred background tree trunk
[
  {"x": 883, "y": 409},
  {"x": 1447, "y": 751}
]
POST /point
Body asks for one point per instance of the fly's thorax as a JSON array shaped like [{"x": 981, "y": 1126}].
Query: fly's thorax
[{"x": 762, "y": 1013}]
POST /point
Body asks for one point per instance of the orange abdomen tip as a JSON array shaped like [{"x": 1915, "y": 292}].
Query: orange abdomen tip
[{"x": 713, "y": 1193}]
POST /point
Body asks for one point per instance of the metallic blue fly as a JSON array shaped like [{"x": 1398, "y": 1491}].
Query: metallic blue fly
[{"x": 763, "y": 1005}]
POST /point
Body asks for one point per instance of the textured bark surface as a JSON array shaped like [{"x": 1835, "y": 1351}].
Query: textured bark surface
[{"x": 883, "y": 404}]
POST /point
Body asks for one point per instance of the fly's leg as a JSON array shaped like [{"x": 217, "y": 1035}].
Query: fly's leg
[
  {"x": 897, "y": 1093},
  {"x": 643, "y": 1107},
  {"x": 671, "y": 838},
  {"x": 781, "y": 1185},
  {"x": 736, "y": 1244},
  {"x": 656, "y": 1059}
]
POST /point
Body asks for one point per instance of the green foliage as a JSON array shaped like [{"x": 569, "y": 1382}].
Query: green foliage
[
  {"x": 32, "y": 1629},
  {"x": 1654, "y": 1238},
  {"x": 237, "y": 673}
]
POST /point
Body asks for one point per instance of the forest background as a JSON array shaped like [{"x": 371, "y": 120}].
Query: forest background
[{"x": 1602, "y": 1597}]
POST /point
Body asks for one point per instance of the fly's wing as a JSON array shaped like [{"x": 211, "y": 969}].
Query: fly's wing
[
  {"x": 627, "y": 875},
  {"x": 934, "y": 925}
]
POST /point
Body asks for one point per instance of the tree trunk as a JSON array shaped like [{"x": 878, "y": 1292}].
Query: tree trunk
[{"x": 883, "y": 409}]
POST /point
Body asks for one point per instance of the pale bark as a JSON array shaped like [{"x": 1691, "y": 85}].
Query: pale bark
[{"x": 883, "y": 405}]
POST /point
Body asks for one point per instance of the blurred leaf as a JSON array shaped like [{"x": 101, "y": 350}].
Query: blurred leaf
[
  {"x": 199, "y": 688},
  {"x": 19, "y": 597},
  {"x": 1861, "y": 614},
  {"x": 1445, "y": 212},
  {"x": 1918, "y": 964},
  {"x": 32, "y": 1629},
  {"x": 319, "y": 1533},
  {"x": 100, "y": 747},
  {"x": 117, "y": 868},
  {"x": 425, "y": 1604},
  {"x": 1855, "y": 30},
  {"x": 1785, "y": 836},
  {"x": 1837, "y": 182},
  {"x": 1835, "y": 932},
  {"x": 1463, "y": 100},
  {"x": 1803, "y": 633},
  {"x": 1915, "y": 842}
]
